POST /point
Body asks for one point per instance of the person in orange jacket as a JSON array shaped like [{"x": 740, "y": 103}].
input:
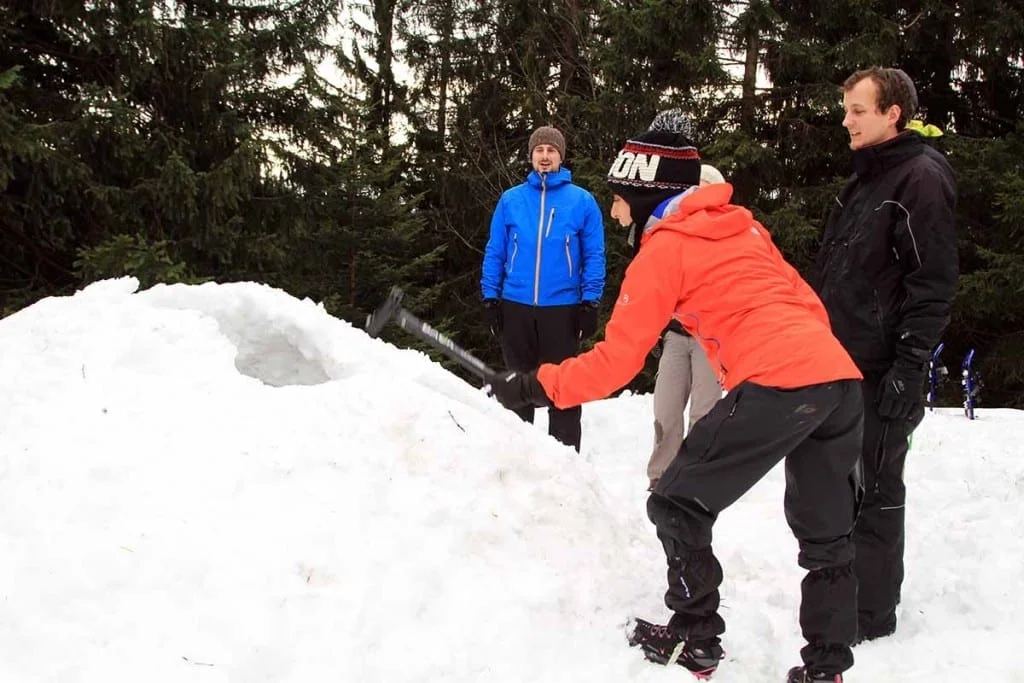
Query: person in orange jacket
[{"x": 793, "y": 394}]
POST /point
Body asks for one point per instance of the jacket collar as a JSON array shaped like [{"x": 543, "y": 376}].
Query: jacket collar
[
  {"x": 670, "y": 205},
  {"x": 870, "y": 161},
  {"x": 698, "y": 198},
  {"x": 723, "y": 218},
  {"x": 553, "y": 179}
]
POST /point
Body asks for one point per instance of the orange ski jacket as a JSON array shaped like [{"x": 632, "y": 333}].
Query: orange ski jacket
[{"x": 715, "y": 269}]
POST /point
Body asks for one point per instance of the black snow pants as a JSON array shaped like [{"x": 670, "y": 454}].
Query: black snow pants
[
  {"x": 532, "y": 335},
  {"x": 818, "y": 431},
  {"x": 879, "y": 534}
]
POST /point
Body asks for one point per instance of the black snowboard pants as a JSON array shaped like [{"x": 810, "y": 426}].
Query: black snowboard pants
[
  {"x": 818, "y": 431},
  {"x": 532, "y": 335},
  {"x": 879, "y": 534}
]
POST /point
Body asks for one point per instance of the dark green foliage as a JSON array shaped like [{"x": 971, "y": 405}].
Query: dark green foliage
[
  {"x": 989, "y": 309},
  {"x": 191, "y": 140},
  {"x": 966, "y": 61},
  {"x": 227, "y": 140}
]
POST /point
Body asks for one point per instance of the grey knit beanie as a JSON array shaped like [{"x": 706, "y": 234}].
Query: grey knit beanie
[{"x": 548, "y": 135}]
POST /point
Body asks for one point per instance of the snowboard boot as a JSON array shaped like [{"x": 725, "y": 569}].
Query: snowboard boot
[
  {"x": 800, "y": 674},
  {"x": 663, "y": 646}
]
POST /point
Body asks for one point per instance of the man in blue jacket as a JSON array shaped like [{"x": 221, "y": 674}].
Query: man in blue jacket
[{"x": 543, "y": 271}]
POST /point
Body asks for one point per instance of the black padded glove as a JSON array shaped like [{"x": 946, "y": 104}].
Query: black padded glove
[
  {"x": 901, "y": 392},
  {"x": 492, "y": 316},
  {"x": 518, "y": 390},
  {"x": 586, "y": 318}
]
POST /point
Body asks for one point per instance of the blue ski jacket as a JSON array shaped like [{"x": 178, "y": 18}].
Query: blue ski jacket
[{"x": 546, "y": 246}]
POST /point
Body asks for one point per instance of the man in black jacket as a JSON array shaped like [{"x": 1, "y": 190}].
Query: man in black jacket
[{"x": 887, "y": 274}]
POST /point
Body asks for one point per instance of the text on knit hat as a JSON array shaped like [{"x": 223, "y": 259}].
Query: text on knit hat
[{"x": 660, "y": 158}]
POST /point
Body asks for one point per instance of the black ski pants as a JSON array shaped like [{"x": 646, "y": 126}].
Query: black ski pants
[
  {"x": 532, "y": 335},
  {"x": 818, "y": 431},
  {"x": 879, "y": 534}
]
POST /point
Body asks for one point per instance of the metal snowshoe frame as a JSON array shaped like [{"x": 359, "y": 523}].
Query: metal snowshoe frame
[
  {"x": 970, "y": 384},
  {"x": 937, "y": 372}
]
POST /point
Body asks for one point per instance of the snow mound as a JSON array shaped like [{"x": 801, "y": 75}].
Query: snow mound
[{"x": 221, "y": 482}]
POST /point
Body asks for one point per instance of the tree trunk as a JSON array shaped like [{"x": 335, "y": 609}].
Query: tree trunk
[{"x": 748, "y": 102}]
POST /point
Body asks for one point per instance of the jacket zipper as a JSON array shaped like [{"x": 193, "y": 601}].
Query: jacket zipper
[
  {"x": 568, "y": 255},
  {"x": 551, "y": 217},
  {"x": 540, "y": 238},
  {"x": 879, "y": 318},
  {"x": 880, "y": 460},
  {"x": 515, "y": 250}
]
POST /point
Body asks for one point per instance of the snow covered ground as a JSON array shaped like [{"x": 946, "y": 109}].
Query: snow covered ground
[{"x": 221, "y": 483}]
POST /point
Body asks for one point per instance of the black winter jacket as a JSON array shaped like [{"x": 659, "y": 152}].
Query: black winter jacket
[{"x": 887, "y": 269}]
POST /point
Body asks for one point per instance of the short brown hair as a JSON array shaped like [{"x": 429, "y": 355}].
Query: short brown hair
[{"x": 894, "y": 87}]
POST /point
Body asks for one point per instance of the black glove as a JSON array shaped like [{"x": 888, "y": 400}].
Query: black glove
[
  {"x": 492, "y": 316},
  {"x": 586, "y": 318},
  {"x": 901, "y": 392},
  {"x": 518, "y": 390}
]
